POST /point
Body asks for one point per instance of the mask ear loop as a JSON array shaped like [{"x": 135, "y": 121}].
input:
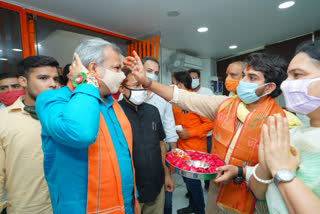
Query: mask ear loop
[
  {"x": 266, "y": 93},
  {"x": 317, "y": 79},
  {"x": 129, "y": 91}
]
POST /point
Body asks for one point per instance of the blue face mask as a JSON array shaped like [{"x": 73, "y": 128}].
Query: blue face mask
[
  {"x": 152, "y": 76},
  {"x": 246, "y": 91}
]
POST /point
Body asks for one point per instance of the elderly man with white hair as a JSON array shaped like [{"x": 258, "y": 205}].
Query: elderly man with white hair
[{"x": 87, "y": 139}]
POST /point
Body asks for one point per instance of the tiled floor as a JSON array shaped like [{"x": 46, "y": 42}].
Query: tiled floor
[{"x": 179, "y": 200}]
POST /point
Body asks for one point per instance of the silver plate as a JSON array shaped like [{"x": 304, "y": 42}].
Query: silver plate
[{"x": 192, "y": 175}]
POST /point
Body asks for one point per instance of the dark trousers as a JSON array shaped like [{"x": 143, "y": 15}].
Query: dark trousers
[
  {"x": 4, "y": 211},
  {"x": 209, "y": 143},
  {"x": 168, "y": 203},
  {"x": 196, "y": 199},
  {"x": 209, "y": 146}
]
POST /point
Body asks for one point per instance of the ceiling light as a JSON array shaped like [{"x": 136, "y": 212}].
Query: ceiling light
[
  {"x": 38, "y": 45},
  {"x": 202, "y": 29},
  {"x": 233, "y": 47},
  {"x": 173, "y": 13},
  {"x": 3, "y": 59},
  {"x": 286, "y": 4},
  {"x": 15, "y": 49}
]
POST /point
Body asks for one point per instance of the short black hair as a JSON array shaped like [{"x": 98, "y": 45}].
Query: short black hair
[
  {"x": 8, "y": 75},
  {"x": 151, "y": 59},
  {"x": 25, "y": 65},
  {"x": 184, "y": 78},
  {"x": 311, "y": 48},
  {"x": 273, "y": 67},
  {"x": 192, "y": 70},
  {"x": 63, "y": 80}
]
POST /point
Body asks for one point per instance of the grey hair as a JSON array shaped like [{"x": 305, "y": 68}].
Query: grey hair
[{"x": 91, "y": 50}]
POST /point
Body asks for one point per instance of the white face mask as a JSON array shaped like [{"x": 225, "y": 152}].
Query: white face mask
[
  {"x": 137, "y": 96},
  {"x": 113, "y": 80},
  {"x": 195, "y": 83}
]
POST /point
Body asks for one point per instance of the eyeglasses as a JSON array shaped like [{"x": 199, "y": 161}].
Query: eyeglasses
[{"x": 134, "y": 87}]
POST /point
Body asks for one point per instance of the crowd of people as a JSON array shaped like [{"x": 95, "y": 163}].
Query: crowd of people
[{"x": 68, "y": 145}]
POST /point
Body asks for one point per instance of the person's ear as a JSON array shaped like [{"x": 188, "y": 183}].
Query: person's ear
[
  {"x": 270, "y": 88},
  {"x": 92, "y": 67},
  {"x": 121, "y": 89},
  {"x": 23, "y": 81},
  {"x": 180, "y": 85}
]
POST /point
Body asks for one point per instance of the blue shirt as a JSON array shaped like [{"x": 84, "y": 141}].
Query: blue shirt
[{"x": 70, "y": 123}]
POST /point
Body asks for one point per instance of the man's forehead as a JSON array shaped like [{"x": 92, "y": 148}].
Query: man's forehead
[
  {"x": 9, "y": 81},
  {"x": 151, "y": 64},
  {"x": 193, "y": 73},
  {"x": 110, "y": 54},
  {"x": 45, "y": 70},
  {"x": 235, "y": 68},
  {"x": 250, "y": 71}
]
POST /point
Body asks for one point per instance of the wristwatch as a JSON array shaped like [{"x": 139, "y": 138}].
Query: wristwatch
[
  {"x": 239, "y": 178},
  {"x": 283, "y": 175}
]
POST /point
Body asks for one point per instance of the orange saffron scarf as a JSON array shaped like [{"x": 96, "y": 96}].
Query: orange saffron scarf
[
  {"x": 104, "y": 179},
  {"x": 238, "y": 197}
]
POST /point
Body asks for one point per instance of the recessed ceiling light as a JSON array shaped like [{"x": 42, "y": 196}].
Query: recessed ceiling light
[
  {"x": 3, "y": 59},
  {"x": 286, "y": 4},
  {"x": 233, "y": 47},
  {"x": 173, "y": 13},
  {"x": 202, "y": 29},
  {"x": 16, "y": 49}
]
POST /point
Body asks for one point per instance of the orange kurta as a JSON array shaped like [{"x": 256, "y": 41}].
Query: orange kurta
[{"x": 197, "y": 126}]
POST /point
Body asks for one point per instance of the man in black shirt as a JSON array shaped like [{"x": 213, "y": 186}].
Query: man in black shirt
[{"x": 152, "y": 175}]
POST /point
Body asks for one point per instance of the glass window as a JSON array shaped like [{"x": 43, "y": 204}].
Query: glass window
[{"x": 10, "y": 40}]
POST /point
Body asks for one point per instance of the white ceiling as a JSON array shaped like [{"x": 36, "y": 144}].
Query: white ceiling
[{"x": 246, "y": 23}]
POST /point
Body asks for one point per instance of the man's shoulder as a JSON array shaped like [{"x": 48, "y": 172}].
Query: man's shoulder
[
  {"x": 159, "y": 102},
  {"x": 4, "y": 113},
  {"x": 206, "y": 91},
  {"x": 158, "y": 98},
  {"x": 150, "y": 109},
  {"x": 58, "y": 94}
]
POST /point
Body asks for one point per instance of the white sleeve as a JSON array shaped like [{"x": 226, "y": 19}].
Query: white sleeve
[
  {"x": 249, "y": 172},
  {"x": 169, "y": 125}
]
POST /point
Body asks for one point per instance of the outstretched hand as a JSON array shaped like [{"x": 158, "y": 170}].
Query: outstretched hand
[
  {"x": 136, "y": 66},
  {"x": 278, "y": 153}
]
